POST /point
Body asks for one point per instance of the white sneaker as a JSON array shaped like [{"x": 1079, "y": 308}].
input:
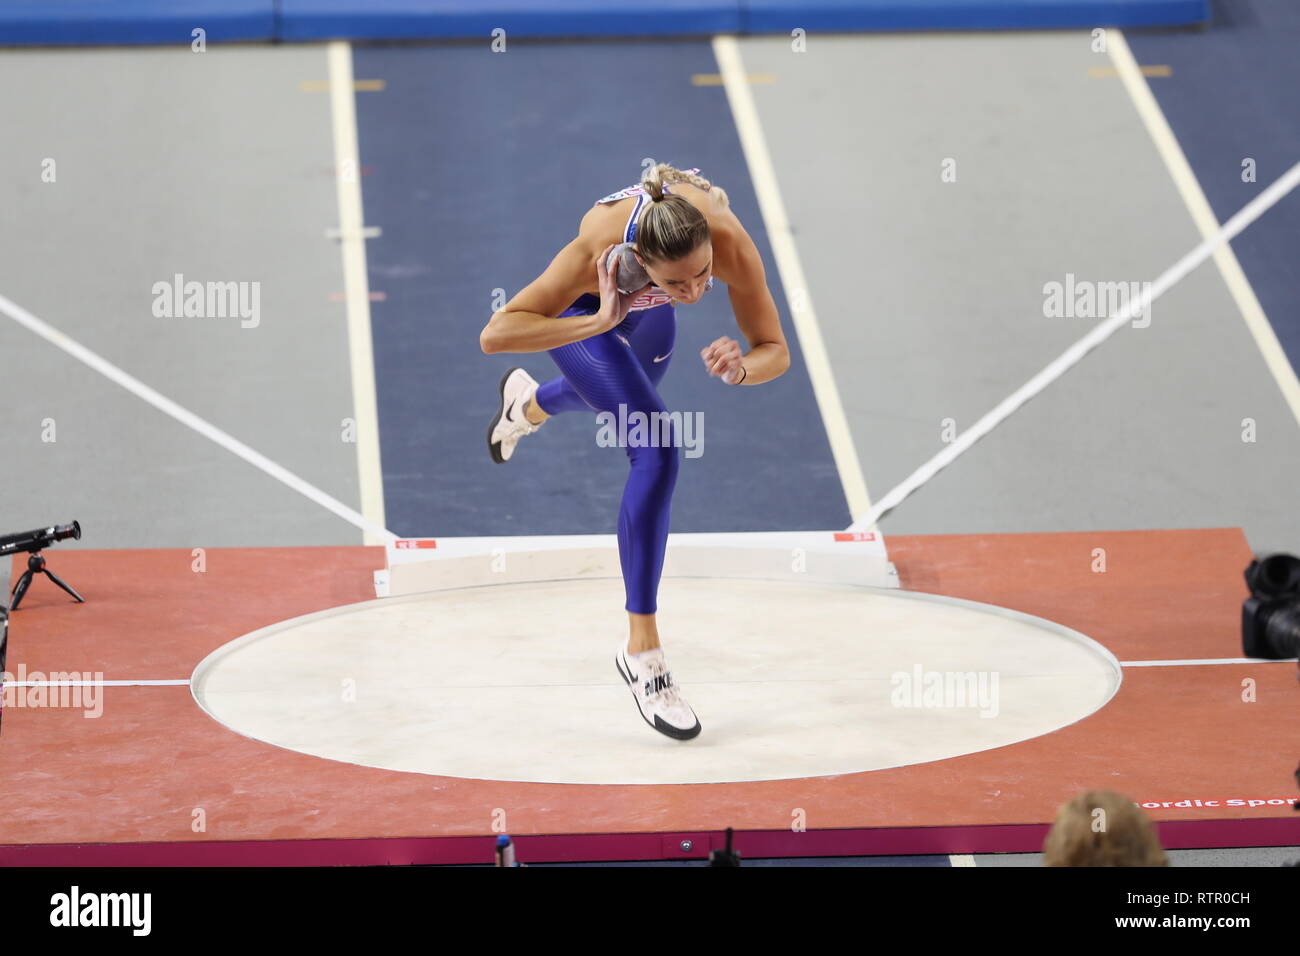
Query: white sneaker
[
  {"x": 509, "y": 425},
  {"x": 656, "y": 695}
]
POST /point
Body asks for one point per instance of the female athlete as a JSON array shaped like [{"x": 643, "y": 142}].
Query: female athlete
[{"x": 612, "y": 348}]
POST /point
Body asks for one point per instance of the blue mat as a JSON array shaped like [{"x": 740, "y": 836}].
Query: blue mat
[
  {"x": 373, "y": 19},
  {"x": 64, "y": 22},
  {"x": 76, "y": 22},
  {"x": 782, "y": 16}
]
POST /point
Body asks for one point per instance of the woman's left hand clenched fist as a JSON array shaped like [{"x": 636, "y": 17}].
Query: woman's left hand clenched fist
[{"x": 722, "y": 358}]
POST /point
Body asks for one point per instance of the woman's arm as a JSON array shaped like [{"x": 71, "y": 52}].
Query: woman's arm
[
  {"x": 741, "y": 268},
  {"x": 529, "y": 322}
]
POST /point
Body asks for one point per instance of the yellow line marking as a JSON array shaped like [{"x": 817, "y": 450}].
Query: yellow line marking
[
  {"x": 715, "y": 79},
  {"x": 360, "y": 86},
  {"x": 1157, "y": 70}
]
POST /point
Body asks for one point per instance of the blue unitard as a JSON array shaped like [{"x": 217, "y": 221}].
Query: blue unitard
[{"x": 624, "y": 366}]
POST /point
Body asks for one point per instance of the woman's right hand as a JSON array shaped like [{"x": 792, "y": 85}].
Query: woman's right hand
[{"x": 614, "y": 304}]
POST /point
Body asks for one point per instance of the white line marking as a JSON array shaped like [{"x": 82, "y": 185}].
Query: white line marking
[
  {"x": 366, "y": 232},
  {"x": 188, "y": 418},
  {"x": 1209, "y": 660},
  {"x": 1102, "y": 331},
  {"x": 741, "y": 98},
  {"x": 1190, "y": 189},
  {"x": 96, "y": 683},
  {"x": 955, "y": 859},
  {"x": 961, "y": 859},
  {"x": 356, "y": 287}
]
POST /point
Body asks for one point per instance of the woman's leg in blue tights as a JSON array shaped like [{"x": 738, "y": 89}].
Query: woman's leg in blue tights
[{"x": 604, "y": 372}]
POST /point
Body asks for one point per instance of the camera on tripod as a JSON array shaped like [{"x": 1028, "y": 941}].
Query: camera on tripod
[
  {"x": 34, "y": 542},
  {"x": 1270, "y": 618}
]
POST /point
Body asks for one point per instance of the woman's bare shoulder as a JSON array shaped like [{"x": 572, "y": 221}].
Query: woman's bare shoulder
[
  {"x": 731, "y": 243},
  {"x": 604, "y": 223}
]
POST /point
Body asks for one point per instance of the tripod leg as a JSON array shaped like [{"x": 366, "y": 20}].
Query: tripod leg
[
  {"x": 4, "y": 651},
  {"x": 57, "y": 580},
  {"x": 21, "y": 588}
]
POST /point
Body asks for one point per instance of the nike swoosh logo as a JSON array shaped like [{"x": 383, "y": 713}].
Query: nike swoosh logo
[
  {"x": 660, "y": 358},
  {"x": 510, "y": 413}
]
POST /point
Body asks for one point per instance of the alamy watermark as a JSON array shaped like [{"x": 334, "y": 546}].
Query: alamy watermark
[
  {"x": 73, "y": 690},
  {"x": 208, "y": 300},
  {"x": 945, "y": 689},
  {"x": 651, "y": 430},
  {"x": 1085, "y": 299},
  {"x": 78, "y": 908}
]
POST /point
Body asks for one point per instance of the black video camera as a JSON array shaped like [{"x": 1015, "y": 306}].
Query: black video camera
[
  {"x": 33, "y": 542},
  {"x": 38, "y": 539},
  {"x": 1270, "y": 618}
]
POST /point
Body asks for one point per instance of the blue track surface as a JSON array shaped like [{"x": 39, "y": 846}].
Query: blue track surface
[
  {"x": 482, "y": 169},
  {"x": 1233, "y": 95}
]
